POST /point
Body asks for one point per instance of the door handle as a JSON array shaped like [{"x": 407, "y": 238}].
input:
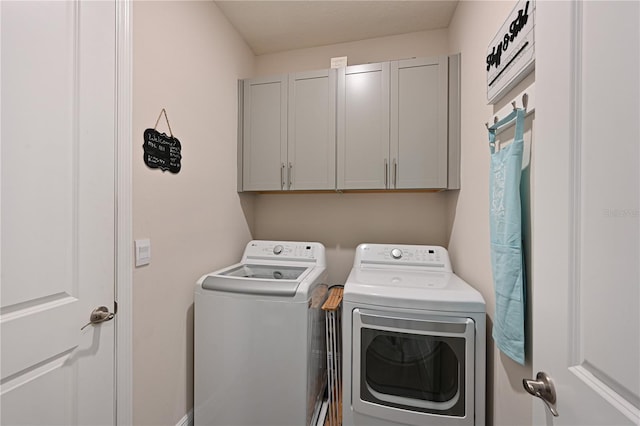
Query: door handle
[
  {"x": 98, "y": 315},
  {"x": 386, "y": 174},
  {"x": 395, "y": 174},
  {"x": 544, "y": 389}
]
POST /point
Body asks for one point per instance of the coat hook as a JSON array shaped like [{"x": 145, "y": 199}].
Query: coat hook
[
  {"x": 495, "y": 120},
  {"x": 525, "y": 100},
  {"x": 513, "y": 104},
  {"x": 486, "y": 125}
]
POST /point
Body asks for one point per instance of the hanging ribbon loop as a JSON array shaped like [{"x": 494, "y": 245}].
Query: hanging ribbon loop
[{"x": 166, "y": 118}]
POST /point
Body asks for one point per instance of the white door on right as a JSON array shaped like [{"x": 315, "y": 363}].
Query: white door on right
[{"x": 586, "y": 211}]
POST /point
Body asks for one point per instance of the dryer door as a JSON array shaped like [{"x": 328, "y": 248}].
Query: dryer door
[{"x": 410, "y": 368}]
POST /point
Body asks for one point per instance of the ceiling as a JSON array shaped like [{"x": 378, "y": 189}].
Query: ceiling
[{"x": 274, "y": 26}]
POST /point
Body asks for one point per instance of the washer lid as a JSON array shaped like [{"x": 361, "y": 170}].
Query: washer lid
[
  {"x": 438, "y": 291},
  {"x": 268, "y": 272},
  {"x": 273, "y": 280}
]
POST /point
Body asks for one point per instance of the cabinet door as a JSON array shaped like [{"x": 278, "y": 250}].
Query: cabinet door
[
  {"x": 264, "y": 134},
  {"x": 419, "y": 123},
  {"x": 363, "y": 126},
  {"x": 312, "y": 131}
]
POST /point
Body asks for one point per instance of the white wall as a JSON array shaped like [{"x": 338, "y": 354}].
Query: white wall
[
  {"x": 342, "y": 221},
  {"x": 186, "y": 58},
  {"x": 422, "y": 43},
  {"x": 473, "y": 26}
]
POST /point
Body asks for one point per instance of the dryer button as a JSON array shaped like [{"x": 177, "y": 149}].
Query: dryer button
[
  {"x": 396, "y": 253},
  {"x": 278, "y": 249}
]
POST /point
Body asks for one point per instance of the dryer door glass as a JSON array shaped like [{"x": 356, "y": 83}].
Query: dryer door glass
[
  {"x": 413, "y": 371},
  {"x": 405, "y": 365},
  {"x": 416, "y": 371}
]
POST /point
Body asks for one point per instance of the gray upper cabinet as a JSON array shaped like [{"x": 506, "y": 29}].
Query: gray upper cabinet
[
  {"x": 264, "y": 131},
  {"x": 311, "y": 163},
  {"x": 288, "y": 132},
  {"x": 418, "y": 127},
  {"x": 363, "y": 126},
  {"x": 390, "y": 125},
  {"x": 393, "y": 125}
]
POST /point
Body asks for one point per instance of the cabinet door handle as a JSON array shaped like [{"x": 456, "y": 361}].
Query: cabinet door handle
[
  {"x": 289, "y": 174},
  {"x": 282, "y": 182},
  {"x": 386, "y": 173},
  {"x": 395, "y": 173}
]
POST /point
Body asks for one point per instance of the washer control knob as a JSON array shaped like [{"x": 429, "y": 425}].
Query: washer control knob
[
  {"x": 278, "y": 249},
  {"x": 396, "y": 253}
]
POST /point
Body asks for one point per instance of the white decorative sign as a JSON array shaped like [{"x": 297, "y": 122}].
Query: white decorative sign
[{"x": 511, "y": 53}]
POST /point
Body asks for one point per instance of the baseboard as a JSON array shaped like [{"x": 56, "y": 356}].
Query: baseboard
[{"x": 187, "y": 420}]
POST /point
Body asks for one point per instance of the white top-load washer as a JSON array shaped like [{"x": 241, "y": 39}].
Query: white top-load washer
[
  {"x": 413, "y": 339},
  {"x": 260, "y": 357}
]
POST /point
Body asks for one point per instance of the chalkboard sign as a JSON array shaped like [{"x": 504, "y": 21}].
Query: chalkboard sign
[{"x": 161, "y": 151}]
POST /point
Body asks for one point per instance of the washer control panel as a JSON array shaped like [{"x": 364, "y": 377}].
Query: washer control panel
[
  {"x": 431, "y": 257},
  {"x": 283, "y": 250}
]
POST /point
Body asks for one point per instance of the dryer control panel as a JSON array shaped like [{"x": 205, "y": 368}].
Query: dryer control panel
[
  {"x": 415, "y": 256},
  {"x": 292, "y": 251}
]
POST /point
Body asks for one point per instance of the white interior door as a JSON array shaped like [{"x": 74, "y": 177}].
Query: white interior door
[
  {"x": 57, "y": 211},
  {"x": 586, "y": 321}
]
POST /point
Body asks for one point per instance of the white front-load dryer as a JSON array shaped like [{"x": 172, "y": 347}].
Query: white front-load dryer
[
  {"x": 260, "y": 356},
  {"x": 413, "y": 340}
]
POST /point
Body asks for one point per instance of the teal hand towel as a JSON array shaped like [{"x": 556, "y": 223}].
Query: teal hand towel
[{"x": 506, "y": 240}]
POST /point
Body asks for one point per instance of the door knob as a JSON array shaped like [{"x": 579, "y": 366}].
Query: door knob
[
  {"x": 98, "y": 315},
  {"x": 542, "y": 388}
]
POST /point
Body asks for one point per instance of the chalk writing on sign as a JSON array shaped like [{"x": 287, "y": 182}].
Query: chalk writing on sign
[{"x": 161, "y": 151}]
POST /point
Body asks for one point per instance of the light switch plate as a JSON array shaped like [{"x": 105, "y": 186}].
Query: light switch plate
[{"x": 143, "y": 252}]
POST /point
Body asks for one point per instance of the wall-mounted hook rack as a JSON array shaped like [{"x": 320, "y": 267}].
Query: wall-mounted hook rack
[{"x": 526, "y": 97}]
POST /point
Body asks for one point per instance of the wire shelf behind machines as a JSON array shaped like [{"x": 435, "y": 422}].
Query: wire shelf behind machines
[{"x": 333, "y": 309}]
